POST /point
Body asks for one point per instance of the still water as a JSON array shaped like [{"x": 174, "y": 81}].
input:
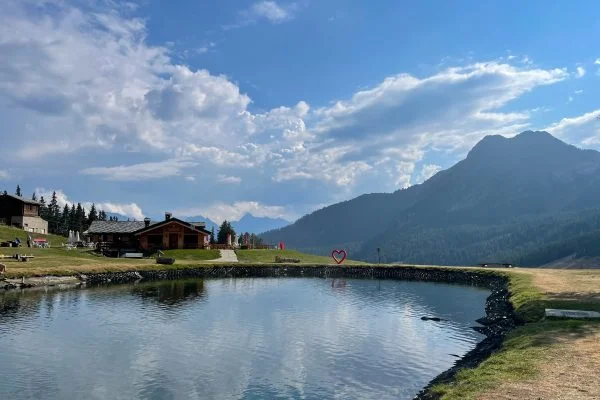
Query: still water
[{"x": 254, "y": 338}]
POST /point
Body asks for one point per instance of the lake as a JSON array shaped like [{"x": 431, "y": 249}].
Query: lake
[{"x": 250, "y": 338}]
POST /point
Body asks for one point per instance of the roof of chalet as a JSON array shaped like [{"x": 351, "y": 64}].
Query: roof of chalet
[
  {"x": 115, "y": 226},
  {"x": 24, "y": 200},
  {"x": 136, "y": 227},
  {"x": 191, "y": 225}
]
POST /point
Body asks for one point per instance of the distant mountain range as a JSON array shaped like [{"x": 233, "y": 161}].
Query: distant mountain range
[
  {"x": 528, "y": 200},
  {"x": 248, "y": 223}
]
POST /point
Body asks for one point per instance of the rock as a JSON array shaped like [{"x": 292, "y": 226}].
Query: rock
[
  {"x": 2, "y": 269},
  {"x": 436, "y": 319}
]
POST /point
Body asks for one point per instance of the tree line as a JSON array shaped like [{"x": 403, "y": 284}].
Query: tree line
[{"x": 227, "y": 229}]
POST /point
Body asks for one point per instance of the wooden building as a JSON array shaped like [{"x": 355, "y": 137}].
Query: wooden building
[
  {"x": 22, "y": 213},
  {"x": 171, "y": 233}
]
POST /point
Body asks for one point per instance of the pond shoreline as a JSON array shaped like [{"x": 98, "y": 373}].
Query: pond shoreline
[{"x": 499, "y": 319}]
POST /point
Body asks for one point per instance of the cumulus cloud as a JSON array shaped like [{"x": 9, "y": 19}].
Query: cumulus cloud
[
  {"x": 219, "y": 212},
  {"x": 131, "y": 210},
  {"x": 92, "y": 84},
  {"x": 580, "y": 72}
]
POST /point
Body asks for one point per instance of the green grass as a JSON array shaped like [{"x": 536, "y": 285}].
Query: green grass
[
  {"x": 9, "y": 233},
  {"x": 526, "y": 347},
  {"x": 192, "y": 254},
  {"x": 268, "y": 256},
  {"x": 518, "y": 360}
]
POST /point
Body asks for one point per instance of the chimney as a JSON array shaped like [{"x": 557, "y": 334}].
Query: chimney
[
  {"x": 146, "y": 222},
  {"x": 168, "y": 216}
]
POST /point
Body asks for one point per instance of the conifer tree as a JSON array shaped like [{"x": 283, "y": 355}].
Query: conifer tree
[
  {"x": 64, "y": 221},
  {"x": 212, "y": 235},
  {"x": 18, "y": 191},
  {"x": 33, "y": 197},
  {"x": 53, "y": 214},
  {"x": 93, "y": 215},
  {"x": 224, "y": 230}
]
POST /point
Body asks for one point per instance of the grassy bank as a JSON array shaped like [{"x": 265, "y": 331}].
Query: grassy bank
[
  {"x": 545, "y": 359},
  {"x": 268, "y": 256}
]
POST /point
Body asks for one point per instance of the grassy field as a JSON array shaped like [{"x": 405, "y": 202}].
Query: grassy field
[
  {"x": 268, "y": 256},
  {"x": 545, "y": 358},
  {"x": 192, "y": 255}
]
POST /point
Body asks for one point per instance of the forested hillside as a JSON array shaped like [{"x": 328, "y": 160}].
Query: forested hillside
[{"x": 527, "y": 200}]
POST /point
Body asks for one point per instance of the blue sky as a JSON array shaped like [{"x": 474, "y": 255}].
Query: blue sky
[{"x": 277, "y": 108}]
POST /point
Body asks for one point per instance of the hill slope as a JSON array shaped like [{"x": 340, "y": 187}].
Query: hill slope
[{"x": 518, "y": 200}]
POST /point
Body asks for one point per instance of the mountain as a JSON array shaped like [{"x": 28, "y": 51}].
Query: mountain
[
  {"x": 527, "y": 200},
  {"x": 252, "y": 224},
  {"x": 248, "y": 223}
]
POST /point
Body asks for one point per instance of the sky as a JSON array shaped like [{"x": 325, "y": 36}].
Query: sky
[{"x": 278, "y": 108}]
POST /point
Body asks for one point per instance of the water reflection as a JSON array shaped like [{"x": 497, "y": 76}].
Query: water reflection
[
  {"x": 292, "y": 338},
  {"x": 171, "y": 293}
]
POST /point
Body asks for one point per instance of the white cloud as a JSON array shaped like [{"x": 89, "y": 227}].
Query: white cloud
[
  {"x": 131, "y": 210},
  {"x": 264, "y": 10},
  {"x": 219, "y": 212},
  {"x": 580, "y": 72},
  {"x": 229, "y": 179},
  {"x": 271, "y": 11},
  {"x": 428, "y": 171},
  {"x": 597, "y": 62},
  {"x": 4, "y": 174},
  {"x": 583, "y": 130},
  {"x": 142, "y": 171},
  {"x": 190, "y": 178},
  {"x": 93, "y": 85}
]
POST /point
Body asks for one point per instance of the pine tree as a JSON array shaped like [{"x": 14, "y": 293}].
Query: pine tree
[
  {"x": 64, "y": 221},
  {"x": 53, "y": 214},
  {"x": 212, "y": 235},
  {"x": 224, "y": 230},
  {"x": 101, "y": 215},
  {"x": 92, "y": 216},
  {"x": 5, "y": 193},
  {"x": 80, "y": 219},
  {"x": 72, "y": 218},
  {"x": 33, "y": 197},
  {"x": 18, "y": 191},
  {"x": 43, "y": 209}
]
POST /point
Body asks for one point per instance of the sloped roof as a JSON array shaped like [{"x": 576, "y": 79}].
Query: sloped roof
[
  {"x": 24, "y": 200},
  {"x": 171, "y": 220},
  {"x": 115, "y": 226}
]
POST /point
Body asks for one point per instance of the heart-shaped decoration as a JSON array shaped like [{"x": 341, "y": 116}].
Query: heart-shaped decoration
[{"x": 335, "y": 255}]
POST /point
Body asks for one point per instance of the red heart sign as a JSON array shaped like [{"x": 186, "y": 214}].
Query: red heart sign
[{"x": 335, "y": 253}]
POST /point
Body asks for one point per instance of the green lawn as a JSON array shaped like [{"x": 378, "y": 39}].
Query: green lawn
[
  {"x": 192, "y": 255},
  {"x": 268, "y": 256},
  {"x": 9, "y": 233}
]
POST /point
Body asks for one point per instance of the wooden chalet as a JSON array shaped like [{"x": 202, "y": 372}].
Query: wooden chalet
[
  {"x": 171, "y": 233},
  {"x": 22, "y": 213}
]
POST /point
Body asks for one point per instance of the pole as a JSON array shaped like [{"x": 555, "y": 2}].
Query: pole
[{"x": 378, "y": 255}]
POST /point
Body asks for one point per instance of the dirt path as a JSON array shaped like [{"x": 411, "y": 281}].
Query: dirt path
[
  {"x": 570, "y": 370},
  {"x": 227, "y": 256},
  {"x": 570, "y": 367}
]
